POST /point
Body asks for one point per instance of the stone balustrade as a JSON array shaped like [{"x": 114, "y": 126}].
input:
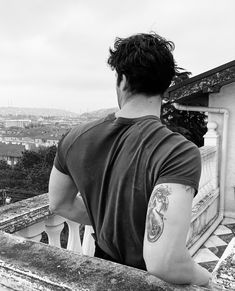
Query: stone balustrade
[
  {"x": 209, "y": 174},
  {"x": 209, "y": 181},
  {"x": 206, "y": 214},
  {"x": 205, "y": 211},
  {"x": 26, "y": 265},
  {"x": 30, "y": 218}
]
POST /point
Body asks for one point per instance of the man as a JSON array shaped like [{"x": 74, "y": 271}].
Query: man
[{"x": 137, "y": 179}]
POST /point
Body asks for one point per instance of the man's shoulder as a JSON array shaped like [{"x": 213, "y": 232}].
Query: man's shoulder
[
  {"x": 173, "y": 139},
  {"x": 180, "y": 148},
  {"x": 174, "y": 144},
  {"x": 179, "y": 136},
  {"x": 80, "y": 129},
  {"x": 72, "y": 135}
]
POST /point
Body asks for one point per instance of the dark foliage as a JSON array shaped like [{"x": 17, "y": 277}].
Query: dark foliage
[
  {"x": 190, "y": 124},
  {"x": 29, "y": 159},
  {"x": 30, "y": 176},
  {"x": 4, "y": 165},
  {"x": 180, "y": 76},
  {"x": 48, "y": 156}
]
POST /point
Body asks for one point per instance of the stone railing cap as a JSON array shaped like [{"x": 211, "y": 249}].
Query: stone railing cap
[
  {"x": 39, "y": 266},
  {"x": 19, "y": 215}
]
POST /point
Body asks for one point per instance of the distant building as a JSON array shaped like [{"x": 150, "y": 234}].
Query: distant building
[
  {"x": 52, "y": 142},
  {"x": 30, "y": 143},
  {"x": 46, "y": 141},
  {"x": 17, "y": 123},
  {"x": 11, "y": 153}
]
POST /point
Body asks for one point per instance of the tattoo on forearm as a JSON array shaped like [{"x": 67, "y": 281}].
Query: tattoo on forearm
[{"x": 158, "y": 205}]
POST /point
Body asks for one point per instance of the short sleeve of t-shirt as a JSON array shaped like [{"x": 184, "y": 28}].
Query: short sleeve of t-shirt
[
  {"x": 60, "y": 158},
  {"x": 183, "y": 166}
]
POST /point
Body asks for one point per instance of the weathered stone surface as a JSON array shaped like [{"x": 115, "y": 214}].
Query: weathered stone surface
[
  {"x": 3, "y": 288},
  {"x": 26, "y": 265},
  {"x": 22, "y": 214},
  {"x": 224, "y": 272}
]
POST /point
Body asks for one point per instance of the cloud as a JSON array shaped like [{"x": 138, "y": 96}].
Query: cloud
[{"x": 56, "y": 50}]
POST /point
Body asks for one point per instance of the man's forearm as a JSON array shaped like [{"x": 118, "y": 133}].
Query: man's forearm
[{"x": 75, "y": 211}]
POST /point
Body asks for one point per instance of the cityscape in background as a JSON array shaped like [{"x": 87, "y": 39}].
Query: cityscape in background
[{"x": 37, "y": 130}]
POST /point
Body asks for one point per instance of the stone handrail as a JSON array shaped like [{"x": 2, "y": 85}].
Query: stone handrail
[
  {"x": 17, "y": 216},
  {"x": 27, "y": 265}
]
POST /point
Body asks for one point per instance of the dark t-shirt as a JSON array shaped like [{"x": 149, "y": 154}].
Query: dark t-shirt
[{"x": 115, "y": 164}]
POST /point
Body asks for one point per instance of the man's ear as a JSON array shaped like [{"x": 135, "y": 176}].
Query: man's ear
[{"x": 123, "y": 84}]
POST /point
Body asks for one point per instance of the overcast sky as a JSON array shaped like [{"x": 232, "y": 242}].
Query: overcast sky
[{"x": 53, "y": 53}]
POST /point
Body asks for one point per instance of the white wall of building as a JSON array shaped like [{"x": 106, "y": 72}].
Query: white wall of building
[{"x": 226, "y": 99}]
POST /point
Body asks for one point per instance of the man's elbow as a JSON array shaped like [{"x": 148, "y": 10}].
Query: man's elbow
[
  {"x": 54, "y": 209},
  {"x": 57, "y": 205},
  {"x": 168, "y": 269},
  {"x": 164, "y": 272},
  {"x": 159, "y": 267}
]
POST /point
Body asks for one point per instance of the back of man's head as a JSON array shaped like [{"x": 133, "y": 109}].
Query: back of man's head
[{"x": 147, "y": 62}]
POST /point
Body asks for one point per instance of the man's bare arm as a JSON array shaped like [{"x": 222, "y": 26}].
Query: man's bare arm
[
  {"x": 63, "y": 198},
  {"x": 167, "y": 224}
]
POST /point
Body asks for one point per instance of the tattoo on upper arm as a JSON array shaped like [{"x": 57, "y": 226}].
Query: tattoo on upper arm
[{"x": 158, "y": 205}]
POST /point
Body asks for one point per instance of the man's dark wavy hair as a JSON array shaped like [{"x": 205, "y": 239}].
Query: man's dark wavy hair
[{"x": 147, "y": 62}]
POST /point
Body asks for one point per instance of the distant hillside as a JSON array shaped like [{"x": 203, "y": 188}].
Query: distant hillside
[
  {"x": 98, "y": 113},
  {"x": 36, "y": 111}
]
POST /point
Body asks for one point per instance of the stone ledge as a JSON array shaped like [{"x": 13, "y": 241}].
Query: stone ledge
[
  {"x": 22, "y": 214},
  {"x": 26, "y": 265}
]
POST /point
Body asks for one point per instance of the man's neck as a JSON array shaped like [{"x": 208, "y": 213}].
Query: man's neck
[{"x": 138, "y": 106}]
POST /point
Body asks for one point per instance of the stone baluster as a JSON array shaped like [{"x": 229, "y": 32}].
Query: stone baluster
[
  {"x": 208, "y": 172},
  {"x": 88, "y": 245},
  {"x": 53, "y": 227},
  {"x": 203, "y": 173},
  {"x": 74, "y": 241},
  {"x": 211, "y": 138},
  {"x": 203, "y": 179},
  {"x": 33, "y": 232}
]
